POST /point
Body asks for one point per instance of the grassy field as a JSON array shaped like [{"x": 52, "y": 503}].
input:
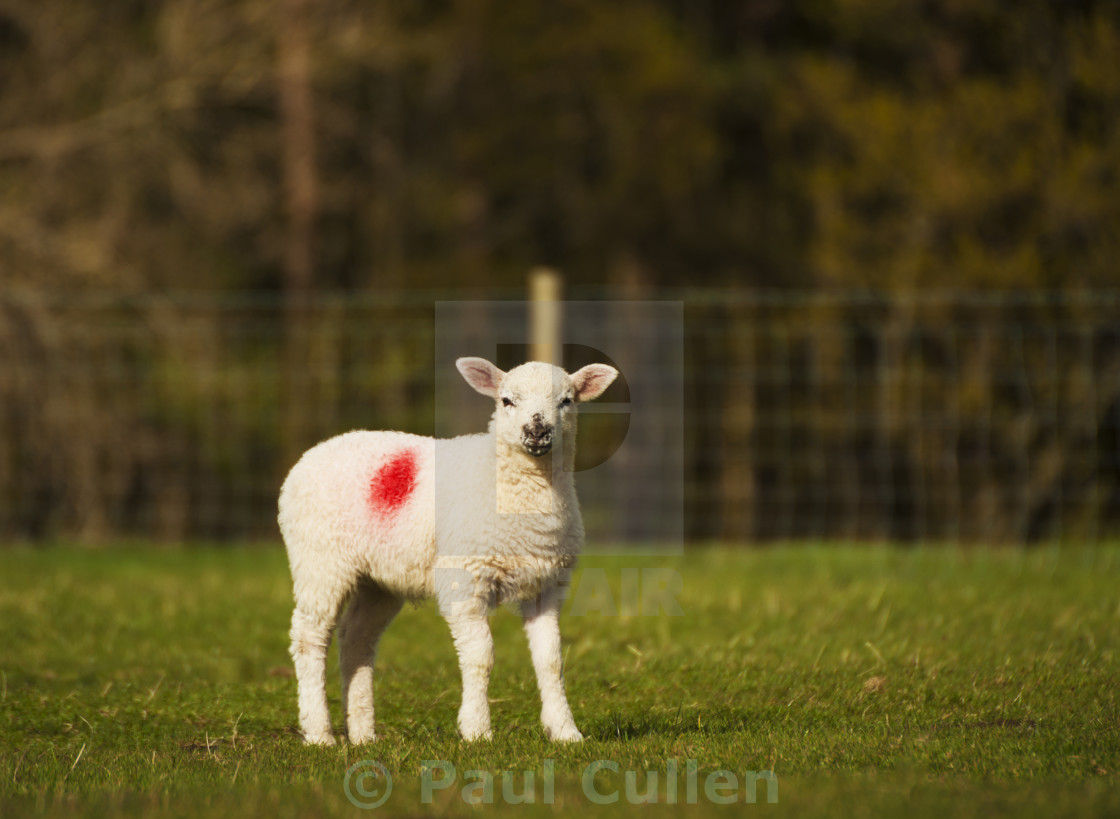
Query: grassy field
[{"x": 871, "y": 681}]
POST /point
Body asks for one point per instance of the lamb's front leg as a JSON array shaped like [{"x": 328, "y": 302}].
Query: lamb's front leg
[
  {"x": 475, "y": 645},
  {"x": 542, "y": 626}
]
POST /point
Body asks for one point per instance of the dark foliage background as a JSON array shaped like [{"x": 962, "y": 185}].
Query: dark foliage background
[{"x": 894, "y": 226}]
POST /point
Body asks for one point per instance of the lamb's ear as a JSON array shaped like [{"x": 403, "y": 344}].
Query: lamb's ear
[
  {"x": 592, "y": 380},
  {"x": 481, "y": 374}
]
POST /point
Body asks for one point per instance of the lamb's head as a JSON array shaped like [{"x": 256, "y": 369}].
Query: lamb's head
[{"x": 535, "y": 403}]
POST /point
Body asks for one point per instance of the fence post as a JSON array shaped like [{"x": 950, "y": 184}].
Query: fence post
[{"x": 545, "y": 316}]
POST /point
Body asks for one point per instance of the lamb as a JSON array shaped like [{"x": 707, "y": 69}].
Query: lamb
[{"x": 379, "y": 518}]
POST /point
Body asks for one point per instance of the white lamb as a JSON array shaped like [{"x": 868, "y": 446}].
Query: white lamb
[{"x": 377, "y": 518}]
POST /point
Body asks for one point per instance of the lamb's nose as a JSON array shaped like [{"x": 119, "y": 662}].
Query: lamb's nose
[{"x": 538, "y": 429}]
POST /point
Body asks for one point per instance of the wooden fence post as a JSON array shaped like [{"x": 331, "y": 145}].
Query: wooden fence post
[{"x": 545, "y": 316}]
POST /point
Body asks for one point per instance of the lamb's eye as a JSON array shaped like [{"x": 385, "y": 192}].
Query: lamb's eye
[
  {"x": 566, "y": 402},
  {"x": 506, "y": 402}
]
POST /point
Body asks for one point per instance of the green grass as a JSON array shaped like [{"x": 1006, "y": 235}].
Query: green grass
[{"x": 872, "y": 681}]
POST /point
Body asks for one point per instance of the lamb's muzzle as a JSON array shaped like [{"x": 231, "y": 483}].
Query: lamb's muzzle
[{"x": 537, "y": 437}]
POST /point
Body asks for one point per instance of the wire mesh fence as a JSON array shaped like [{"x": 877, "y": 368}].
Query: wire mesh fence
[{"x": 948, "y": 418}]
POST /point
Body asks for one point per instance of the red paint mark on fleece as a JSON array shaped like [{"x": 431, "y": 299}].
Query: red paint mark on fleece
[{"x": 393, "y": 482}]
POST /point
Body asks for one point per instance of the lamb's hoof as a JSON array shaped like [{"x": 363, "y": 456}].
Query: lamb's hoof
[
  {"x": 568, "y": 733},
  {"x": 361, "y": 737},
  {"x": 474, "y": 734},
  {"x": 319, "y": 738}
]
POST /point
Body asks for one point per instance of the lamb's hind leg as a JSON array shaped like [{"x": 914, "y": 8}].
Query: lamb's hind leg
[
  {"x": 370, "y": 612},
  {"x": 311, "y": 637}
]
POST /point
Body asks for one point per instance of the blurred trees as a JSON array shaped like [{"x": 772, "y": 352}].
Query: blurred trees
[
  {"x": 845, "y": 142},
  {"x": 312, "y": 147},
  {"x": 973, "y": 145}
]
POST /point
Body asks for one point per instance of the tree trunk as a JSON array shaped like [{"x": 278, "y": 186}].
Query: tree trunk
[{"x": 297, "y": 122}]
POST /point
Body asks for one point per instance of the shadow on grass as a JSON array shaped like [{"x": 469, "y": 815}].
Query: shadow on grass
[{"x": 684, "y": 722}]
